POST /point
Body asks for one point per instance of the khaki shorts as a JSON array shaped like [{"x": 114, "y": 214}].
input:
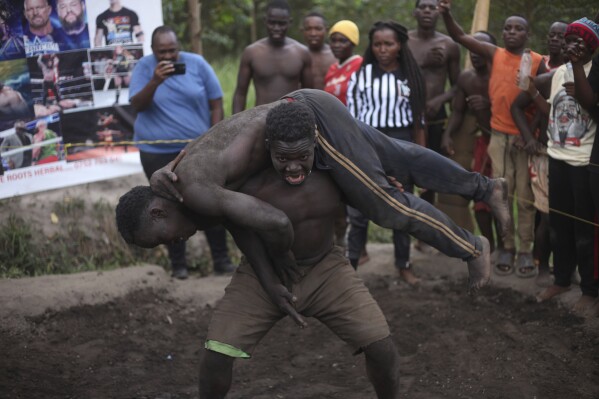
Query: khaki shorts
[
  {"x": 330, "y": 291},
  {"x": 538, "y": 165}
]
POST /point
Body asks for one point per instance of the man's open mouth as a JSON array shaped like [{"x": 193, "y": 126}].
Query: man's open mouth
[{"x": 295, "y": 179}]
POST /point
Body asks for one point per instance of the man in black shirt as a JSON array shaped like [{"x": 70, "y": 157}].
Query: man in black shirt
[{"x": 118, "y": 25}]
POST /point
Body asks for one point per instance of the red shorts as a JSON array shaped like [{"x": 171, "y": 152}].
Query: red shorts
[{"x": 482, "y": 165}]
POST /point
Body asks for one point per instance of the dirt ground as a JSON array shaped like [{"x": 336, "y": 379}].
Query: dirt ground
[{"x": 136, "y": 333}]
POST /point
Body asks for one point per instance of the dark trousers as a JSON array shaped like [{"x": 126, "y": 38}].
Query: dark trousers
[
  {"x": 216, "y": 236},
  {"x": 359, "y": 158},
  {"x": 573, "y": 241},
  {"x": 436, "y": 127},
  {"x": 358, "y": 231},
  {"x": 358, "y": 236}
]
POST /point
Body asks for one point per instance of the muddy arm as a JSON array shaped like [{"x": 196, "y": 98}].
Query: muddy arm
[{"x": 254, "y": 250}]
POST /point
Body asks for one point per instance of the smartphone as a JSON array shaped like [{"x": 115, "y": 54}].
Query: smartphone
[{"x": 179, "y": 69}]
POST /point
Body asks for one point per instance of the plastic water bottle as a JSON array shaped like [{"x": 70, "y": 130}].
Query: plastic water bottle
[{"x": 525, "y": 68}]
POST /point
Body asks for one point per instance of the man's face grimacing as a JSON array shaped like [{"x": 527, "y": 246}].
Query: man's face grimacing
[
  {"x": 293, "y": 161},
  {"x": 166, "y": 225},
  {"x": 70, "y": 13}
]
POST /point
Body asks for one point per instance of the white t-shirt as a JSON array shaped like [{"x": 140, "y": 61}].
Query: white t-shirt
[{"x": 571, "y": 129}]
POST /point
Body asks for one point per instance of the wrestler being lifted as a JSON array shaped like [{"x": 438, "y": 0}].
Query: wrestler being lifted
[{"x": 358, "y": 158}]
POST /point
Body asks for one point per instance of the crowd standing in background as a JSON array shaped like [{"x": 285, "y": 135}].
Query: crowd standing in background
[
  {"x": 508, "y": 159},
  {"x": 527, "y": 138},
  {"x": 402, "y": 87}
]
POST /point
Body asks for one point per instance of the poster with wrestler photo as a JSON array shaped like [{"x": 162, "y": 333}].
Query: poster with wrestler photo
[
  {"x": 123, "y": 21},
  {"x": 11, "y": 31},
  {"x": 59, "y": 82},
  {"x": 98, "y": 132},
  {"x": 110, "y": 72},
  {"x": 16, "y": 101},
  {"x": 47, "y": 141},
  {"x": 51, "y": 26}
]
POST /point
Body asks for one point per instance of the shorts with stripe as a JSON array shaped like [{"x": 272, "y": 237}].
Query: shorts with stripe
[{"x": 330, "y": 291}]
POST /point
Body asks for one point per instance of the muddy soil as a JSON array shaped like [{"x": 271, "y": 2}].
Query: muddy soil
[{"x": 147, "y": 344}]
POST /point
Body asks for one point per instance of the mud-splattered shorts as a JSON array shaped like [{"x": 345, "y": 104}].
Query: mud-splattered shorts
[{"x": 330, "y": 291}]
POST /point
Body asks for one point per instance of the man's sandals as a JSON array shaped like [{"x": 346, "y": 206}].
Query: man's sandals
[
  {"x": 524, "y": 267},
  {"x": 504, "y": 265}
]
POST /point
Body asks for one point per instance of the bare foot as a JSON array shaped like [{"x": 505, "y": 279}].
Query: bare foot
[
  {"x": 409, "y": 277},
  {"x": 479, "y": 268},
  {"x": 498, "y": 201},
  {"x": 544, "y": 278},
  {"x": 583, "y": 305},
  {"x": 550, "y": 292}
]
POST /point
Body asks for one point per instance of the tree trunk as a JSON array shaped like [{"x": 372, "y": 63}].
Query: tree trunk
[
  {"x": 253, "y": 30},
  {"x": 195, "y": 27}
]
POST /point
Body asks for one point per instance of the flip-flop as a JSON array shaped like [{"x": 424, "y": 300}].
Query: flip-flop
[
  {"x": 505, "y": 263},
  {"x": 525, "y": 266}
]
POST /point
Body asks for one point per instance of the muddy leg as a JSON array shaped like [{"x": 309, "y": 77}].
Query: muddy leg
[
  {"x": 382, "y": 368},
  {"x": 216, "y": 374},
  {"x": 499, "y": 203},
  {"x": 479, "y": 269}
]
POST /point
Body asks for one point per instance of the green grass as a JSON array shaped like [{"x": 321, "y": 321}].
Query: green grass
[
  {"x": 226, "y": 70},
  {"x": 86, "y": 239}
]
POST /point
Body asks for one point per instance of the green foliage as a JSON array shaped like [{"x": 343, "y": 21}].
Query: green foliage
[
  {"x": 226, "y": 70},
  {"x": 227, "y": 24},
  {"x": 78, "y": 245},
  {"x": 379, "y": 234}
]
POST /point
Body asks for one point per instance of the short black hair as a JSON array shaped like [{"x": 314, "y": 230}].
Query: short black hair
[
  {"x": 160, "y": 30},
  {"x": 289, "y": 122},
  {"x": 278, "y": 4},
  {"x": 489, "y": 35},
  {"x": 316, "y": 14},
  {"x": 130, "y": 211},
  {"x": 519, "y": 16}
]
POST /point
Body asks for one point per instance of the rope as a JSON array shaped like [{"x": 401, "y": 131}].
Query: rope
[
  {"x": 560, "y": 212},
  {"x": 185, "y": 141}
]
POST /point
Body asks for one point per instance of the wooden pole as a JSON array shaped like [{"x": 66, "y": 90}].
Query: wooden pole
[
  {"x": 195, "y": 27},
  {"x": 480, "y": 21}
]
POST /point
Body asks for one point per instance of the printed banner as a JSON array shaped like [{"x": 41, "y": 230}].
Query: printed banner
[{"x": 65, "y": 67}]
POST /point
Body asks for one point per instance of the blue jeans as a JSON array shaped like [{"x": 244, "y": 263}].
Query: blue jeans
[{"x": 359, "y": 159}]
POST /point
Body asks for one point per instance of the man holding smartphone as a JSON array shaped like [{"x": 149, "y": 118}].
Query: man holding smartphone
[{"x": 178, "y": 97}]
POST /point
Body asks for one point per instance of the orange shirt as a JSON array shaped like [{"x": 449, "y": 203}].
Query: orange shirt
[{"x": 503, "y": 90}]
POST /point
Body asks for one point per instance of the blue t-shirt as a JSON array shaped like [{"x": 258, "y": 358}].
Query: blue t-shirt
[{"x": 180, "y": 108}]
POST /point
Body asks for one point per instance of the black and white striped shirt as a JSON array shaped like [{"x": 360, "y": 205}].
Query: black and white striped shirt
[{"x": 380, "y": 99}]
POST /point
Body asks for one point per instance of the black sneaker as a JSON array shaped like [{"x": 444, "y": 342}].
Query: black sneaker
[
  {"x": 181, "y": 273},
  {"x": 224, "y": 267}
]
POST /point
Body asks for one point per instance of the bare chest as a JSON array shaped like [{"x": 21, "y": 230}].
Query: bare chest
[{"x": 268, "y": 65}]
